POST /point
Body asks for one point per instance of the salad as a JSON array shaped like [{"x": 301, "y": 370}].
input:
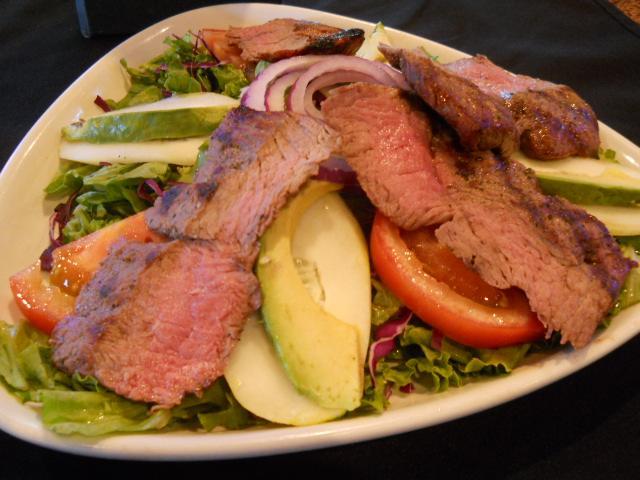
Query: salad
[{"x": 405, "y": 354}]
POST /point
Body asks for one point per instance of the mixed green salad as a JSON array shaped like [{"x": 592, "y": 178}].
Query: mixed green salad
[{"x": 93, "y": 196}]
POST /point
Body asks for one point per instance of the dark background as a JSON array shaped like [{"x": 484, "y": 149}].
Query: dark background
[{"x": 586, "y": 426}]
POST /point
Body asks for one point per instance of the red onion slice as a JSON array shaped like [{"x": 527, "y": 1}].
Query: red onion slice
[
  {"x": 328, "y": 80},
  {"x": 255, "y": 96},
  {"x": 379, "y": 73},
  {"x": 386, "y": 340},
  {"x": 335, "y": 175},
  {"x": 276, "y": 91}
]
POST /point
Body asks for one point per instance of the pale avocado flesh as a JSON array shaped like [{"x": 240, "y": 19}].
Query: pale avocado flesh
[
  {"x": 320, "y": 353},
  {"x": 586, "y": 181},
  {"x": 590, "y": 193},
  {"x": 148, "y": 125}
]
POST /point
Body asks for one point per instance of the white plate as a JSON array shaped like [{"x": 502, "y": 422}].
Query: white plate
[{"x": 23, "y": 209}]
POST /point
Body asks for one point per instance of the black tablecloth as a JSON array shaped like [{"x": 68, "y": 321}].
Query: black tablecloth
[{"x": 586, "y": 426}]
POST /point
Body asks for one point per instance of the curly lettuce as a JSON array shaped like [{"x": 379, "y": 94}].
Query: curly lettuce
[{"x": 76, "y": 404}]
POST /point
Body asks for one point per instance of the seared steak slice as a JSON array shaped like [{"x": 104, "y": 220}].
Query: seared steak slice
[
  {"x": 555, "y": 123},
  {"x": 552, "y": 120},
  {"x": 502, "y": 226},
  {"x": 385, "y": 139},
  {"x": 286, "y": 37},
  {"x": 158, "y": 320},
  {"x": 482, "y": 121},
  {"x": 491, "y": 211},
  {"x": 256, "y": 160}
]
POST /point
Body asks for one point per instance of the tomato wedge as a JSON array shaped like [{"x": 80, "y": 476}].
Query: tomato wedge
[
  {"x": 75, "y": 263},
  {"x": 442, "y": 291},
  {"x": 45, "y": 299},
  {"x": 217, "y": 43},
  {"x": 41, "y": 302}
]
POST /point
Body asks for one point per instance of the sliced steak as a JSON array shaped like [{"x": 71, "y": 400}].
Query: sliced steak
[
  {"x": 552, "y": 120},
  {"x": 256, "y": 160},
  {"x": 286, "y": 37},
  {"x": 491, "y": 211},
  {"x": 158, "y": 320},
  {"x": 482, "y": 121},
  {"x": 502, "y": 226},
  {"x": 385, "y": 139}
]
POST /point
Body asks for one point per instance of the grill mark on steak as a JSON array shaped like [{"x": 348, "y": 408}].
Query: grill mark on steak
[
  {"x": 257, "y": 160},
  {"x": 564, "y": 259},
  {"x": 553, "y": 121},
  {"x": 492, "y": 213},
  {"x": 159, "y": 320},
  {"x": 481, "y": 121},
  {"x": 490, "y": 107},
  {"x": 286, "y": 37}
]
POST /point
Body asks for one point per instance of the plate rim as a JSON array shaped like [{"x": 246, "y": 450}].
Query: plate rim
[{"x": 256, "y": 443}]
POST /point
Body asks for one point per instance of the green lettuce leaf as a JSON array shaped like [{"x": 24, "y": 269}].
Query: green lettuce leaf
[
  {"x": 108, "y": 194},
  {"x": 630, "y": 293},
  {"x": 384, "y": 304},
  {"x": 69, "y": 179},
  {"x": 416, "y": 361},
  {"x": 230, "y": 80},
  {"x": 80, "y": 405},
  {"x": 184, "y": 67}
]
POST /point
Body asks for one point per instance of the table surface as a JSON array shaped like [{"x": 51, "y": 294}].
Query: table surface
[{"x": 586, "y": 426}]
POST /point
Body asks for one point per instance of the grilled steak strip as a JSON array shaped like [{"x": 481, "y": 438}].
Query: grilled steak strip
[
  {"x": 491, "y": 211},
  {"x": 552, "y": 120},
  {"x": 385, "y": 139},
  {"x": 503, "y": 227},
  {"x": 482, "y": 121},
  {"x": 256, "y": 160},
  {"x": 286, "y": 37},
  {"x": 159, "y": 320}
]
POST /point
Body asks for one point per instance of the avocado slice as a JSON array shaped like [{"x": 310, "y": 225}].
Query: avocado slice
[
  {"x": 321, "y": 354},
  {"x": 332, "y": 260},
  {"x": 172, "y": 118},
  {"x": 587, "y": 181},
  {"x": 183, "y": 151},
  {"x": 620, "y": 221}
]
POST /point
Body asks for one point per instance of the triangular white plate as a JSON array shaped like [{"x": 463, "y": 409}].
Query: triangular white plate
[{"x": 24, "y": 214}]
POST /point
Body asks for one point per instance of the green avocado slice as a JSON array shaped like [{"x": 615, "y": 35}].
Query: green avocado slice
[
  {"x": 129, "y": 127},
  {"x": 320, "y": 353},
  {"x": 589, "y": 193},
  {"x": 587, "y": 181}
]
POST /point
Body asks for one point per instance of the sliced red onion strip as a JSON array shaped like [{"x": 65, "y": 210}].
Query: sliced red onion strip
[
  {"x": 408, "y": 388},
  {"x": 151, "y": 184},
  {"x": 335, "y": 175},
  {"x": 276, "y": 91},
  {"x": 336, "y": 162},
  {"x": 386, "y": 340},
  {"x": 255, "y": 95},
  {"x": 102, "y": 103},
  {"x": 382, "y": 74},
  {"x": 327, "y": 80},
  {"x": 57, "y": 221},
  {"x": 436, "y": 339}
]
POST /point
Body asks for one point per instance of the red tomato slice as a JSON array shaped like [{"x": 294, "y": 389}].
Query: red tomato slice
[
  {"x": 41, "y": 302},
  {"x": 75, "y": 263},
  {"x": 216, "y": 42},
  {"x": 442, "y": 291},
  {"x": 45, "y": 299}
]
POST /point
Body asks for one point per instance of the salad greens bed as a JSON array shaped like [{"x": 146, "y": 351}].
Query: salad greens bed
[{"x": 96, "y": 196}]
